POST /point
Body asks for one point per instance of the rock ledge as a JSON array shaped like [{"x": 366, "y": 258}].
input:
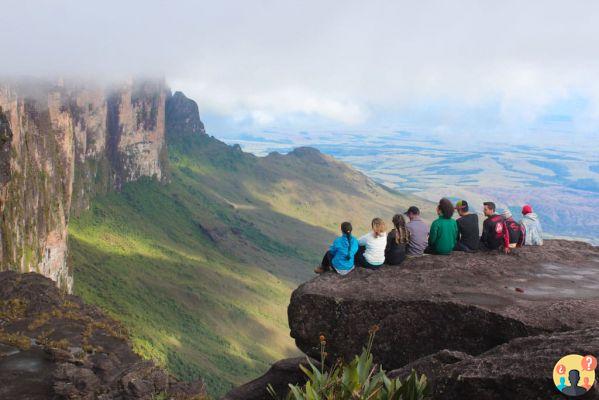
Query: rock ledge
[{"x": 53, "y": 346}]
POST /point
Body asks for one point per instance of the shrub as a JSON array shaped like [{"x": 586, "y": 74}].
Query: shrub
[{"x": 361, "y": 379}]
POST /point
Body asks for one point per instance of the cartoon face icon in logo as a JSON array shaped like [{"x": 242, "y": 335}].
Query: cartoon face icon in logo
[{"x": 574, "y": 375}]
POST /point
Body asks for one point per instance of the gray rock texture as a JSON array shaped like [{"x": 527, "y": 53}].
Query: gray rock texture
[
  {"x": 463, "y": 302},
  {"x": 53, "y": 346}
]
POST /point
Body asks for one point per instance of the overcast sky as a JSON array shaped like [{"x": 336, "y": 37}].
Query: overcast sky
[{"x": 451, "y": 67}]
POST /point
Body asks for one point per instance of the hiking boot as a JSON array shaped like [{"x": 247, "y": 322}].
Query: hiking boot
[{"x": 319, "y": 269}]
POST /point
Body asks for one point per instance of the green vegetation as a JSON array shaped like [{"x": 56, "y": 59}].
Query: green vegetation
[
  {"x": 360, "y": 379},
  {"x": 200, "y": 270}
]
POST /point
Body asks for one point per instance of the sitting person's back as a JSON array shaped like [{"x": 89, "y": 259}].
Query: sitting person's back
[
  {"x": 494, "y": 232},
  {"x": 418, "y": 232},
  {"x": 373, "y": 244},
  {"x": 444, "y": 230},
  {"x": 340, "y": 256},
  {"x": 534, "y": 232},
  {"x": 397, "y": 240},
  {"x": 516, "y": 233},
  {"x": 468, "y": 232}
]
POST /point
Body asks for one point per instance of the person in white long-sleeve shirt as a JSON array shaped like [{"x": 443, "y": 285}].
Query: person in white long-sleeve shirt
[{"x": 372, "y": 246}]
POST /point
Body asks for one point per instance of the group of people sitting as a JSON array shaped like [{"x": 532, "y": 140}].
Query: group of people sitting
[{"x": 414, "y": 238}]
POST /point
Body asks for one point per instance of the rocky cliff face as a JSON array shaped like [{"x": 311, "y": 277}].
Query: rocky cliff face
[
  {"x": 520, "y": 369},
  {"x": 59, "y": 146},
  {"x": 481, "y": 325},
  {"x": 54, "y": 346},
  {"x": 183, "y": 117},
  {"x": 463, "y": 302}
]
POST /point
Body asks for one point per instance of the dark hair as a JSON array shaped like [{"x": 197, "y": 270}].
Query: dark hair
[
  {"x": 489, "y": 205},
  {"x": 346, "y": 229},
  {"x": 401, "y": 233},
  {"x": 446, "y": 207},
  {"x": 413, "y": 210},
  {"x": 462, "y": 205}
]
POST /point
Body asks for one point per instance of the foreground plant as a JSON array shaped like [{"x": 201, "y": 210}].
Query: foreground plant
[{"x": 361, "y": 379}]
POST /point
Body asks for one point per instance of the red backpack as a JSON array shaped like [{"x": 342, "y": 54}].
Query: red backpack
[{"x": 515, "y": 230}]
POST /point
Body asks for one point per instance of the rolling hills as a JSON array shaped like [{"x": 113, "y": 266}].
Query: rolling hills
[
  {"x": 200, "y": 268},
  {"x": 561, "y": 183}
]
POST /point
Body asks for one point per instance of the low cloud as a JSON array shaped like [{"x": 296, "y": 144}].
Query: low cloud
[{"x": 340, "y": 60}]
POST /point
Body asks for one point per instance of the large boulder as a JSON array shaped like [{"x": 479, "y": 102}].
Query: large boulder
[
  {"x": 279, "y": 376},
  {"x": 432, "y": 365},
  {"x": 521, "y": 368},
  {"x": 463, "y": 302},
  {"x": 52, "y": 345}
]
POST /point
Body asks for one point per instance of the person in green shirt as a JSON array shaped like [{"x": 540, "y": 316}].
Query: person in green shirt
[{"x": 444, "y": 230}]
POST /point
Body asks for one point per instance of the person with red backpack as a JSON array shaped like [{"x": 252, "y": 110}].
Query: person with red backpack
[
  {"x": 516, "y": 232},
  {"x": 495, "y": 233}
]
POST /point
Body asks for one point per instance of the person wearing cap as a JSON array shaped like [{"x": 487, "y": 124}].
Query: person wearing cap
[
  {"x": 532, "y": 225},
  {"x": 516, "y": 232},
  {"x": 469, "y": 234},
  {"x": 418, "y": 232}
]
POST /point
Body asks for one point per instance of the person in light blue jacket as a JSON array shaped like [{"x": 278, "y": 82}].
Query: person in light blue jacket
[
  {"x": 340, "y": 256},
  {"x": 534, "y": 232}
]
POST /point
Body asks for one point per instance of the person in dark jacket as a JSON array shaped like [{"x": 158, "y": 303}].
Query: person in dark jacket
[
  {"x": 516, "y": 232},
  {"x": 495, "y": 234},
  {"x": 468, "y": 232},
  {"x": 397, "y": 241},
  {"x": 340, "y": 256},
  {"x": 444, "y": 230}
]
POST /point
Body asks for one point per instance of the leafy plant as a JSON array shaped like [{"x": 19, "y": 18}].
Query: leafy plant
[{"x": 361, "y": 379}]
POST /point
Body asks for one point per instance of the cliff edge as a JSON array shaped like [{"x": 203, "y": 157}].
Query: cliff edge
[
  {"x": 478, "y": 325},
  {"x": 53, "y": 345},
  {"x": 62, "y": 144},
  {"x": 469, "y": 302}
]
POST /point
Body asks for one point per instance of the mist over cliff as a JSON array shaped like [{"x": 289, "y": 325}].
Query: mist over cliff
[{"x": 61, "y": 144}]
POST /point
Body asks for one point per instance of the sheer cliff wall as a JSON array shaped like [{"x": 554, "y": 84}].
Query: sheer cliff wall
[{"x": 59, "y": 146}]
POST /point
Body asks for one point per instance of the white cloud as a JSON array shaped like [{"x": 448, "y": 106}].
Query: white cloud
[
  {"x": 262, "y": 117},
  {"x": 339, "y": 60}
]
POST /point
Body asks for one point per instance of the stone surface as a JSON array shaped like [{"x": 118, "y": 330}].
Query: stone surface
[
  {"x": 5, "y": 145},
  {"x": 462, "y": 302},
  {"x": 5, "y": 172},
  {"x": 431, "y": 365},
  {"x": 52, "y": 345},
  {"x": 183, "y": 117},
  {"x": 280, "y": 375},
  {"x": 520, "y": 369},
  {"x": 136, "y": 144}
]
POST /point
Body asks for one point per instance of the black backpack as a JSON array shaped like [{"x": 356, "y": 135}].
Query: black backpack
[{"x": 514, "y": 229}]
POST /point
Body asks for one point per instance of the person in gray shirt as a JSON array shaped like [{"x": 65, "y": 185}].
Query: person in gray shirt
[{"x": 418, "y": 232}]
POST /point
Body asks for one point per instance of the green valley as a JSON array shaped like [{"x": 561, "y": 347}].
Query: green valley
[{"x": 200, "y": 269}]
